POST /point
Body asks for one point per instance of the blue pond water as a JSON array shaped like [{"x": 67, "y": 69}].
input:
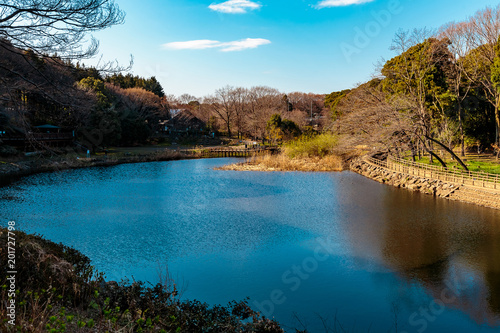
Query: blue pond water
[{"x": 306, "y": 248}]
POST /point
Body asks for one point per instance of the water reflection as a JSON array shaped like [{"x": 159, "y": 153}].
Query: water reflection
[{"x": 450, "y": 249}]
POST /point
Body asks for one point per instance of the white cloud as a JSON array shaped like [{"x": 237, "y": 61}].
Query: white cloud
[
  {"x": 340, "y": 3},
  {"x": 235, "y": 6},
  {"x": 238, "y": 45},
  {"x": 193, "y": 45}
]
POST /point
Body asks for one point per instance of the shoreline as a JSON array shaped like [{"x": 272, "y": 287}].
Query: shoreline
[
  {"x": 482, "y": 197},
  {"x": 446, "y": 190},
  {"x": 12, "y": 171}
]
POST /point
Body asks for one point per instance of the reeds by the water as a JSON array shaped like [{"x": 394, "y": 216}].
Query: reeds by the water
[
  {"x": 304, "y": 154},
  {"x": 283, "y": 162}
]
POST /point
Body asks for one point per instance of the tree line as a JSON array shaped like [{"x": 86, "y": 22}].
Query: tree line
[
  {"x": 123, "y": 109},
  {"x": 102, "y": 110},
  {"x": 254, "y": 112}
]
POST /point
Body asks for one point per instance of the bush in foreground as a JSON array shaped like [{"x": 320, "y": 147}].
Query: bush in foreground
[{"x": 57, "y": 290}]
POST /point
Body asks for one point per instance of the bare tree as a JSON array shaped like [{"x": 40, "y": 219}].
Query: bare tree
[
  {"x": 57, "y": 26},
  {"x": 307, "y": 108},
  {"x": 372, "y": 117},
  {"x": 463, "y": 76},
  {"x": 485, "y": 35},
  {"x": 223, "y": 106},
  {"x": 146, "y": 104},
  {"x": 263, "y": 102},
  {"x": 186, "y": 98},
  {"x": 31, "y": 83},
  {"x": 240, "y": 98},
  {"x": 38, "y": 41},
  {"x": 53, "y": 31}
]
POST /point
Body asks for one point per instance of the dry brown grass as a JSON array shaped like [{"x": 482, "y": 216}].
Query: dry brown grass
[{"x": 282, "y": 162}]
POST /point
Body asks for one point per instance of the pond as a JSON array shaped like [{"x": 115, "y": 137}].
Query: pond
[{"x": 309, "y": 249}]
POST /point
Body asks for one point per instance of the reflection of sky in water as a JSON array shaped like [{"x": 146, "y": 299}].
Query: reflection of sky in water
[{"x": 229, "y": 235}]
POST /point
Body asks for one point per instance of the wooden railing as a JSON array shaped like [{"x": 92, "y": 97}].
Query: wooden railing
[
  {"x": 227, "y": 152},
  {"x": 377, "y": 162},
  {"x": 458, "y": 176}
]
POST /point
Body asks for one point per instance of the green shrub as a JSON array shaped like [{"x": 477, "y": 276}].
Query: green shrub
[{"x": 315, "y": 146}]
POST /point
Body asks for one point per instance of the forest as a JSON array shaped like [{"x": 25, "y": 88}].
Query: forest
[{"x": 441, "y": 90}]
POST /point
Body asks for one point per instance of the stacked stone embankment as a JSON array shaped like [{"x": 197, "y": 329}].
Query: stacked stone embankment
[{"x": 479, "y": 196}]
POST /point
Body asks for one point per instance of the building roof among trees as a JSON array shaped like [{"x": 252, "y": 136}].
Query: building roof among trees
[{"x": 186, "y": 120}]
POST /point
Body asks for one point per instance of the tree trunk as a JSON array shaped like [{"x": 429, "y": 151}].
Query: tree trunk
[
  {"x": 461, "y": 126},
  {"x": 431, "y": 152},
  {"x": 431, "y": 160},
  {"x": 497, "y": 120},
  {"x": 498, "y": 126},
  {"x": 438, "y": 158},
  {"x": 413, "y": 154},
  {"x": 462, "y": 164}
]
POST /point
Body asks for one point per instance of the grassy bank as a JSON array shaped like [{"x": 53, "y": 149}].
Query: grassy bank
[
  {"x": 57, "y": 290},
  {"x": 478, "y": 163}
]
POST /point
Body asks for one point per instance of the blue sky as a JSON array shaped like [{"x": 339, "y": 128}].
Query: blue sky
[{"x": 196, "y": 47}]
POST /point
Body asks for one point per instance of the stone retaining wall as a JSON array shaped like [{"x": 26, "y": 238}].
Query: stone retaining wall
[{"x": 438, "y": 188}]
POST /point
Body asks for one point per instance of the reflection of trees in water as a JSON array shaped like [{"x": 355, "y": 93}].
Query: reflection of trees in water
[
  {"x": 493, "y": 280},
  {"x": 489, "y": 263},
  {"x": 445, "y": 245},
  {"x": 436, "y": 244}
]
